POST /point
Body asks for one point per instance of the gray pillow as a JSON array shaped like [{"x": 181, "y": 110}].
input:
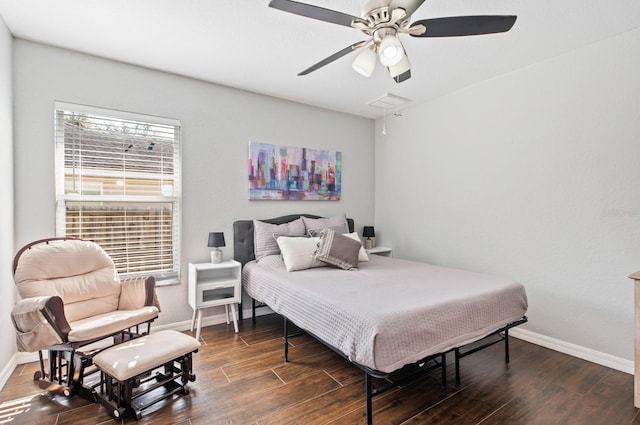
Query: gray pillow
[
  {"x": 337, "y": 223},
  {"x": 264, "y": 236},
  {"x": 338, "y": 250}
]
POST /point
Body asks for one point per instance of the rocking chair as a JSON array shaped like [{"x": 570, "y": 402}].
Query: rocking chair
[{"x": 72, "y": 298}]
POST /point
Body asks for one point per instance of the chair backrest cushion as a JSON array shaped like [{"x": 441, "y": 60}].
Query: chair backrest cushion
[{"x": 80, "y": 272}]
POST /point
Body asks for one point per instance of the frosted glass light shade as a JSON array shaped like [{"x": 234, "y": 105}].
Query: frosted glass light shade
[
  {"x": 365, "y": 62},
  {"x": 401, "y": 67},
  {"x": 390, "y": 50}
]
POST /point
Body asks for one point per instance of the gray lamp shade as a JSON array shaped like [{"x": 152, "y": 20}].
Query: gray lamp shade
[
  {"x": 216, "y": 239},
  {"x": 368, "y": 232}
]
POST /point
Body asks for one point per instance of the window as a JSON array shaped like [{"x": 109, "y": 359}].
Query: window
[{"x": 118, "y": 184}]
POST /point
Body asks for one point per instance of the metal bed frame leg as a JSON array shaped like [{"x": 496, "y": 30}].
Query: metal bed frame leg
[
  {"x": 288, "y": 336},
  {"x": 253, "y": 311},
  {"x": 503, "y": 337},
  {"x": 286, "y": 339},
  {"x": 506, "y": 346},
  {"x": 369, "y": 391},
  {"x": 443, "y": 365},
  {"x": 457, "y": 357}
]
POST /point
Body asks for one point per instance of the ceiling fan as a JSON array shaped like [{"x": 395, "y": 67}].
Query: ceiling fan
[{"x": 383, "y": 21}]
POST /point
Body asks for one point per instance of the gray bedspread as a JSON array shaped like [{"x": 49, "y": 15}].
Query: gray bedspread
[{"x": 390, "y": 312}]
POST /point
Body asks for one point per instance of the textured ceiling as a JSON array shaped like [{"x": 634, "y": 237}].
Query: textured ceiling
[{"x": 245, "y": 44}]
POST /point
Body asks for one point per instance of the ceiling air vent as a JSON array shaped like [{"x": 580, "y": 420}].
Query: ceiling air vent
[{"x": 388, "y": 101}]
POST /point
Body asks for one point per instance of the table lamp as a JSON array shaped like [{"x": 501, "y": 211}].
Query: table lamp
[
  {"x": 368, "y": 232},
  {"x": 216, "y": 240}
]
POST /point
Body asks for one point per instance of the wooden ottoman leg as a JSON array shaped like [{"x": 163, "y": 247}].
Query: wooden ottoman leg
[
  {"x": 108, "y": 396},
  {"x": 127, "y": 397},
  {"x": 124, "y": 386},
  {"x": 187, "y": 369}
]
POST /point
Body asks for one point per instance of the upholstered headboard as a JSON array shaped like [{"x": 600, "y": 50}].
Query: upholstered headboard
[{"x": 243, "y": 235}]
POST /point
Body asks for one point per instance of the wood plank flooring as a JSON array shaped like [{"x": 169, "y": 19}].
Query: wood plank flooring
[{"x": 242, "y": 379}]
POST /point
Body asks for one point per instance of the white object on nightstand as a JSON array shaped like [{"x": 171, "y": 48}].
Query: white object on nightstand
[
  {"x": 213, "y": 285},
  {"x": 380, "y": 250}
]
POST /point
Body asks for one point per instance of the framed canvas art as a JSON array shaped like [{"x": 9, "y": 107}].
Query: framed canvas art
[{"x": 293, "y": 173}]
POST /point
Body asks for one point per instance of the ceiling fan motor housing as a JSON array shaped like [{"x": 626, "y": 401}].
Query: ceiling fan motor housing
[
  {"x": 377, "y": 16},
  {"x": 383, "y": 30}
]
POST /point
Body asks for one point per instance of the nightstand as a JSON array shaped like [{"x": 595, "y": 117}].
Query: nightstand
[
  {"x": 213, "y": 285},
  {"x": 380, "y": 250}
]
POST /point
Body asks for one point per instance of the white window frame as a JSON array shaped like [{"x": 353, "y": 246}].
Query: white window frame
[{"x": 90, "y": 194}]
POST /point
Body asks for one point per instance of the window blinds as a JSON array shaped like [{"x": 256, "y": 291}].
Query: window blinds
[{"x": 118, "y": 184}]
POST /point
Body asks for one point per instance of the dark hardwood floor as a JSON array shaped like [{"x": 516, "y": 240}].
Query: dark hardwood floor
[{"x": 242, "y": 379}]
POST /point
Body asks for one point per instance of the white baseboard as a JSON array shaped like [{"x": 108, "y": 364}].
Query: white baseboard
[
  {"x": 574, "y": 350},
  {"x": 7, "y": 370}
]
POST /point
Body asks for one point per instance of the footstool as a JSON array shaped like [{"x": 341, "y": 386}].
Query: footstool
[{"x": 125, "y": 371}]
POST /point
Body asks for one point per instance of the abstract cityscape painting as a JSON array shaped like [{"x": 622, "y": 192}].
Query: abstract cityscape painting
[{"x": 293, "y": 173}]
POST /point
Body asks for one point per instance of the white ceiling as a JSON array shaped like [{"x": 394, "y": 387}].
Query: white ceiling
[{"x": 247, "y": 45}]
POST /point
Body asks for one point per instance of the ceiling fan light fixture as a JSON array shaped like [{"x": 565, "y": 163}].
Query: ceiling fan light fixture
[
  {"x": 390, "y": 50},
  {"x": 401, "y": 67},
  {"x": 401, "y": 71},
  {"x": 365, "y": 62}
]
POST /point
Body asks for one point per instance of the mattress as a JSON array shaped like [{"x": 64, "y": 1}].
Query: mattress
[{"x": 390, "y": 312}]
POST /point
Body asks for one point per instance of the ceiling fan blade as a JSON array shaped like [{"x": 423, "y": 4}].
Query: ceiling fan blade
[
  {"x": 409, "y": 5},
  {"x": 456, "y": 26},
  {"x": 334, "y": 57},
  {"x": 314, "y": 12},
  {"x": 402, "y": 77}
]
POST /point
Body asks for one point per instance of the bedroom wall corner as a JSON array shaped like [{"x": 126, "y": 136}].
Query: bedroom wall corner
[
  {"x": 7, "y": 292},
  {"x": 531, "y": 175}
]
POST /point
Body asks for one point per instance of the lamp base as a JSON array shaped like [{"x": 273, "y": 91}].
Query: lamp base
[
  {"x": 216, "y": 255},
  {"x": 368, "y": 243}
]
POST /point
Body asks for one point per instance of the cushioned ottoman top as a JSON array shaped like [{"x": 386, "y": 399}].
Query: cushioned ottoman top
[{"x": 132, "y": 358}]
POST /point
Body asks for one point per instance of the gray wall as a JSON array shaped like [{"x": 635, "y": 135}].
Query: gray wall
[
  {"x": 218, "y": 122},
  {"x": 532, "y": 175},
  {"x": 8, "y": 347}
]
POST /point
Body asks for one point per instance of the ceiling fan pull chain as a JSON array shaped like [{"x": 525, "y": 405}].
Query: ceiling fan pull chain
[{"x": 384, "y": 120}]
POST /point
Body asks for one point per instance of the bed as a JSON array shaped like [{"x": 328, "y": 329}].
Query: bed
[{"x": 391, "y": 317}]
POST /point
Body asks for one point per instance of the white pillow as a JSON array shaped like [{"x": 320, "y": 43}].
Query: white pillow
[
  {"x": 362, "y": 254},
  {"x": 297, "y": 252}
]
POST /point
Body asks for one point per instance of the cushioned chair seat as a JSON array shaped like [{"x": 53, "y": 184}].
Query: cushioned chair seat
[
  {"x": 142, "y": 354},
  {"x": 106, "y": 324}
]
